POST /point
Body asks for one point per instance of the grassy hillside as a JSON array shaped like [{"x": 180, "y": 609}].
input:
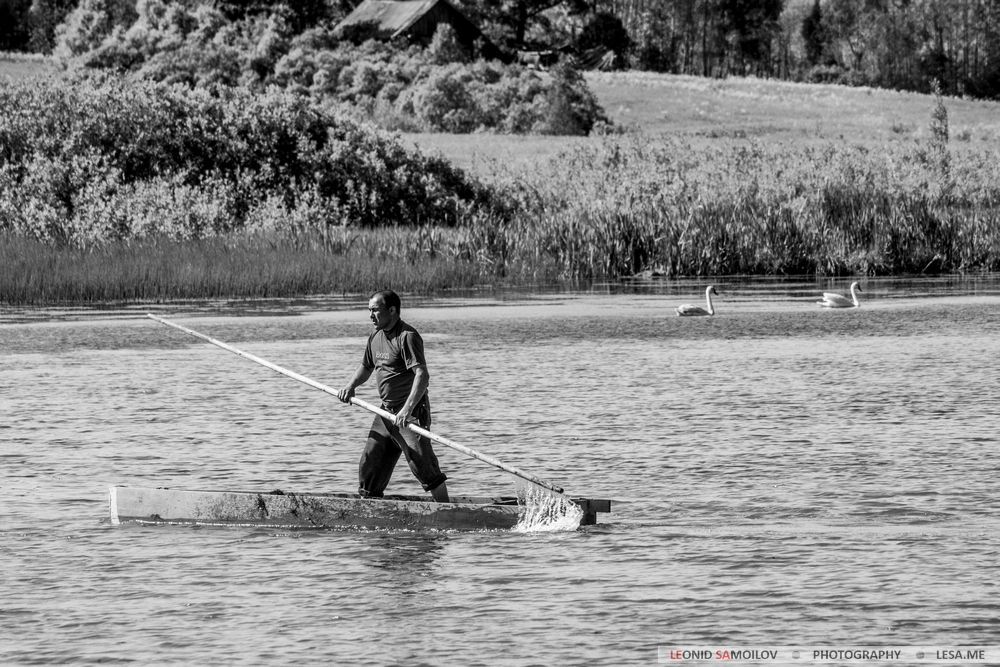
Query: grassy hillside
[
  {"x": 22, "y": 65},
  {"x": 782, "y": 110},
  {"x": 706, "y": 111}
]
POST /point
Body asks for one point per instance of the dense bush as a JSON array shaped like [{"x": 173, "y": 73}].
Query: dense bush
[
  {"x": 87, "y": 25},
  {"x": 398, "y": 86},
  {"x": 571, "y": 108},
  {"x": 84, "y": 161}
]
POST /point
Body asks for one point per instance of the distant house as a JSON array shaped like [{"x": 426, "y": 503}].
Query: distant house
[{"x": 417, "y": 20}]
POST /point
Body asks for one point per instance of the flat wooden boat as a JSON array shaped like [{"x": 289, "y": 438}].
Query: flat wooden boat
[{"x": 280, "y": 509}]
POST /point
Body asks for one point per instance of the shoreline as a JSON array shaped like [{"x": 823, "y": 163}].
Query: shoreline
[{"x": 740, "y": 293}]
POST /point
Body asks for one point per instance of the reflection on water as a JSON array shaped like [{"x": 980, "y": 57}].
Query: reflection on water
[
  {"x": 780, "y": 474},
  {"x": 407, "y": 554}
]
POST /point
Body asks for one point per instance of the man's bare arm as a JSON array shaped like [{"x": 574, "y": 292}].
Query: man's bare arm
[{"x": 360, "y": 377}]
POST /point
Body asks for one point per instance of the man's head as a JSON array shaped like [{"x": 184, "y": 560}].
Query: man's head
[{"x": 383, "y": 309}]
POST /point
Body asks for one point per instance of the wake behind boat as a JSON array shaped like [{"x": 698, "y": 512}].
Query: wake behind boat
[{"x": 279, "y": 509}]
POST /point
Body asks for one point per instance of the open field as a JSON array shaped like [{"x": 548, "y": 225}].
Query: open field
[
  {"x": 711, "y": 111},
  {"x": 22, "y": 65},
  {"x": 748, "y": 107}
]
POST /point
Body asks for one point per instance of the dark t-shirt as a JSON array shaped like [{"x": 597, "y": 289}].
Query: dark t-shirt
[{"x": 392, "y": 355}]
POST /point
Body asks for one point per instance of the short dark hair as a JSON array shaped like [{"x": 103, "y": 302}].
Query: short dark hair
[{"x": 388, "y": 297}]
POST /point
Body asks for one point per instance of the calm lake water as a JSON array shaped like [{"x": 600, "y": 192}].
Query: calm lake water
[{"x": 781, "y": 475}]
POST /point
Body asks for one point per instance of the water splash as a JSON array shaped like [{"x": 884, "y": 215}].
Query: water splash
[{"x": 545, "y": 510}]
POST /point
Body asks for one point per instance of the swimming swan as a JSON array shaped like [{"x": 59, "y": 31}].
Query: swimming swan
[
  {"x": 688, "y": 309},
  {"x": 832, "y": 300}
]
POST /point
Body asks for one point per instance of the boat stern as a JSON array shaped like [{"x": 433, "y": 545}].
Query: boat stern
[{"x": 590, "y": 507}]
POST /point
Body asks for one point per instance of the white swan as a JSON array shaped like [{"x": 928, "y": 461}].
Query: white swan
[
  {"x": 833, "y": 300},
  {"x": 688, "y": 309}
]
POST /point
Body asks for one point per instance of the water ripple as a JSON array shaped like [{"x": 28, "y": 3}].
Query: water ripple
[{"x": 780, "y": 476}]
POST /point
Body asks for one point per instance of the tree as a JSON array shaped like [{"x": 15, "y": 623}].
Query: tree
[
  {"x": 749, "y": 28},
  {"x": 572, "y": 107},
  {"x": 851, "y": 26},
  {"x": 88, "y": 24},
  {"x": 445, "y": 48},
  {"x": 655, "y": 48},
  {"x": 43, "y": 18},
  {"x": 14, "y": 31},
  {"x": 814, "y": 35},
  {"x": 605, "y": 30},
  {"x": 515, "y": 17}
]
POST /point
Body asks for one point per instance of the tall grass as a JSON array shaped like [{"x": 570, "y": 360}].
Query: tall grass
[
  {"x": 232, "y": 266},
  {"x": 626, "y": 206}
]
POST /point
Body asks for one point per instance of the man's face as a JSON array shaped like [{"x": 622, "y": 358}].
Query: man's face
[{"x": 379, "y": 313}]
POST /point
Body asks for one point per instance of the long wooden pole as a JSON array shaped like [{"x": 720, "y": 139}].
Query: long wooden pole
[{"x": 362, "y": 404}]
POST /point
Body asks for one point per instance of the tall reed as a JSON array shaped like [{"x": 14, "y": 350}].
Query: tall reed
[
  {"x": 233, "y": 266},
  {"x": 625, "y": 206}
]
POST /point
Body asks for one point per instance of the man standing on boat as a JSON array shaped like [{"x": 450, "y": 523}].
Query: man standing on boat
[{"x": 395, "y": 352}]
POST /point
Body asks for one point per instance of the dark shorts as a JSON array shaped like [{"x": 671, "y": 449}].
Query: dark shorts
[{"x": 386, "y": 442}]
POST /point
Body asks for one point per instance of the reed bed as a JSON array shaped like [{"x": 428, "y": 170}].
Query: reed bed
[
  {"x": 230, "y": 266},
  {"x": 625, "y": 206}
]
